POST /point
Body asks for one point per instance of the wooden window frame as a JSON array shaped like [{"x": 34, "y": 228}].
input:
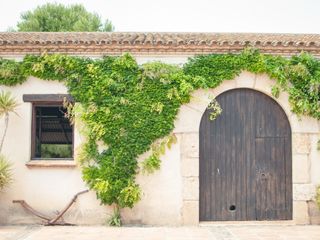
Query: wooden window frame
[{"x": 33, "y": 130}]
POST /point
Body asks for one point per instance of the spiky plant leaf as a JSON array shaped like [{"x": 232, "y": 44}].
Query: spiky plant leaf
[
  {"x": 5, "y": 172},
  {"x": 8, "y": 103}
]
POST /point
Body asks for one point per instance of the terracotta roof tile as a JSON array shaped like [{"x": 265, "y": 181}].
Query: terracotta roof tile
[{"x": 156, "y": 42}]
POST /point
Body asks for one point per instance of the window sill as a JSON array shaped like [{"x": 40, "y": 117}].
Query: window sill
[{"x": 51, "y": 163}]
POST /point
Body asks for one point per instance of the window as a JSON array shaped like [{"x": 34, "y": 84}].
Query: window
[{"x": 51, "y": 133}]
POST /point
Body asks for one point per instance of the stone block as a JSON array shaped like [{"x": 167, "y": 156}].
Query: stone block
[
  {"x": 190, "y": 213},
  {"x": 303, "y": 192},
  {"x": 189, "y": 147},
  {"x": 188, "y": 120},
  {"x": 224, "y": 86},
  {"x": 300, "y": 168},
  {"x": 314, "y": 213},
  {"x": 190, "y": 188},
  {"x": 190, "y": 167},
  {"x": 304, "y": 124},
  {"x": 300, "y": 212},
  {"x": 301, "y": 143},
  {"x": 283, "y": 101},
  {"x": 200, "y": 99},
  {"x": 314, "y": 157},
  {"x": 245, "y": 80},
  {"x": 264, "y": 84}
]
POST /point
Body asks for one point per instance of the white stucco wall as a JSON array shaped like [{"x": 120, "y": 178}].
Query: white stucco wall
[
  {"x": 171, "y": 195},
  {"x": 49, "y": 189}
]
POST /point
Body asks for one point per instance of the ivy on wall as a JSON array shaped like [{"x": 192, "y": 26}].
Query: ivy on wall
[{"x": 129, "y": 109}]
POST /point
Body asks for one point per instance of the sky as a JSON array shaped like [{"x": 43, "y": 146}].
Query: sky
[{"x": 277, "y": 16}]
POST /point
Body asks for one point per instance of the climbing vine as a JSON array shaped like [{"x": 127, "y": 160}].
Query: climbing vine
[{"x": 129, "y": 109}]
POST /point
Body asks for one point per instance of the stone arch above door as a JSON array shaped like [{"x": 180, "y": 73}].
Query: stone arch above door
[
  {"x": 304, "y": 133},
  {"x": 190, "y": 114}
]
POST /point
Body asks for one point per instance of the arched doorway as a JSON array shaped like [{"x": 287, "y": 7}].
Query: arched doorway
[{"x": 245, "y": 160}]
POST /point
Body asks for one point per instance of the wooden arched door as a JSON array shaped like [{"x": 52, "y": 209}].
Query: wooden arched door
[{"x": 245, "y": 160}]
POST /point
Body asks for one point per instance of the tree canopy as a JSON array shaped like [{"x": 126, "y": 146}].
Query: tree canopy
[{"x": 54, "y": 17}]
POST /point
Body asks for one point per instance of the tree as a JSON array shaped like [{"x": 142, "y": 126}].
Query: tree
[
  {"x": 54, "y": 17},
  {"x": 7, "y": 105}
]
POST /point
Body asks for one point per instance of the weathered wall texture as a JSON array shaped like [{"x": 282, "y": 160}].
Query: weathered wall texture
[
  {"x": 50, "y": 188},
  {"x": 305, "y": 156},
  {"x": 171, "y": 195}
]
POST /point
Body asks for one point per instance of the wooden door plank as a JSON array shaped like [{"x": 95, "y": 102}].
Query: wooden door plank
[
  {"x": 223, "y": 170},
  {"x": 244, "y": 98},
  {"x": 250, "y": 158},
  {"x": 245, "y": 159},
  {"x": 288, "y": 177},
  {"x": 218, "y": 195}
]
